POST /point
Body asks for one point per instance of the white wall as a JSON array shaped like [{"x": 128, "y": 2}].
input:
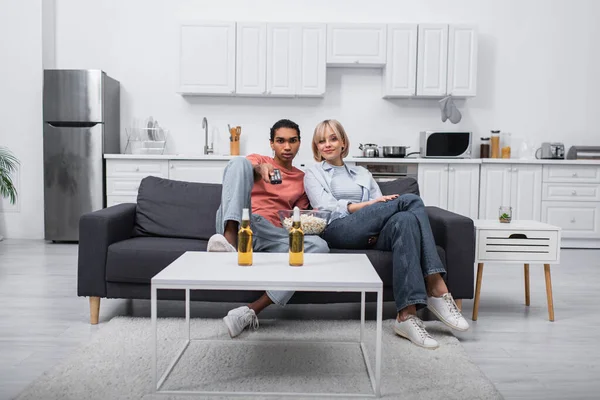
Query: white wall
[
  {"x": 538, "y": 75},
  {"x": 21, "y": 113}
]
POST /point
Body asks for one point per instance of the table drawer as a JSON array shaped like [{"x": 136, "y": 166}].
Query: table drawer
[
  {"x": 571, "y": 173},
  {"x": 137, "y": 168},
  {"x": 577, "y": 220},
  {"x": 571, "y": 192},
  {"x": 517, "y": 245},
  {"x": 123, "y": 186}
]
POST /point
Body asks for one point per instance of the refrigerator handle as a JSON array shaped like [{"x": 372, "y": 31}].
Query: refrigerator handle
[{"x": 63, "y": 124}]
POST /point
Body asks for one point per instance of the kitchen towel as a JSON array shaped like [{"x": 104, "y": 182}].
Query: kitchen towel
[{"x": 449, "y": 110}]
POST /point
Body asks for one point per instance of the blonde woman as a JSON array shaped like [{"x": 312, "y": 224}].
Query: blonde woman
[{"x": 364, "y": 218}]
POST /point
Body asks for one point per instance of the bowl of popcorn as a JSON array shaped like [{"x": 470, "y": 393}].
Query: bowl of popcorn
[{"x": 313, "y": 221}]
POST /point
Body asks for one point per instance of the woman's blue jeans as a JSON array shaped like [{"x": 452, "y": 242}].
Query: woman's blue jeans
[{"x": 402, "y": 227}]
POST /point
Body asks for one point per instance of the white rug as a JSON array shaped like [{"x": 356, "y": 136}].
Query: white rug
[{"x": 117, "y": 363}]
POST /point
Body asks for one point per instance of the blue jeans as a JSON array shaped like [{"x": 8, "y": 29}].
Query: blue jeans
[
  {"x": 238, "y": 180},
  {"x": 403, "y": 228}
]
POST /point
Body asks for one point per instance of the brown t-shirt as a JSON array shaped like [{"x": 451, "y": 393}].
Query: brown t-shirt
[{"x": 267, "y": 198}]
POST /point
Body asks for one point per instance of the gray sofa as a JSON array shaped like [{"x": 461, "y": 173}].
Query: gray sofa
[{"x": 122, "y": 247}]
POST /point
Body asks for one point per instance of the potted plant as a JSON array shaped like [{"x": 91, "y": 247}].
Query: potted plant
[{"x": 8, "y": 165}]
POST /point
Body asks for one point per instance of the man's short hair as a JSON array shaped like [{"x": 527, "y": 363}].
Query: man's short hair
[{"x": 284, "y": 123}]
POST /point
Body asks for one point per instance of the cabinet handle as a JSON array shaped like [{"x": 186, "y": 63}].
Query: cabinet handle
[
  {"x": 509, "y": 169},
  {"x": 356, "y": 62},
  {"x": 172, "y": 166},
  {"x": 574, "y": 174},
  {"x": 574, "y": 193},
  {"x": 451, "y": 169},
  {"x": 232, "y": 92},
  {"x": 515, "y": 169},
  {"x": 446, "y": 168},
  {"x": 137, "y": 169},
  {"x": 572, "y": 220}
]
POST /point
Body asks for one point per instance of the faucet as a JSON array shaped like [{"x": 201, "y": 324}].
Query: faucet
[{"x": 207, "y": 149}]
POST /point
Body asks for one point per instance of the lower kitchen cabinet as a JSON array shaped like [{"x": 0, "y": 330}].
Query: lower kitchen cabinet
[
  {"x": 123, "y": 177},
  {"x": 516, "y": 185},
  {"x": 454, "y": 187}
]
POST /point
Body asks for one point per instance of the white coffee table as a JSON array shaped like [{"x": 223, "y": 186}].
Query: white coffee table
[
  {"x": 518, "y": 242},
  {"x": 271, "y": 271}
]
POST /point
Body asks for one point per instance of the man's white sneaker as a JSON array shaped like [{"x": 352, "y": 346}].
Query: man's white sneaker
[
  {"x": 414, "y": 330},
  {"x": 447, "y": 311},
  {"x": 239, "y": 318},
  {"x": 218, "y": 243}
]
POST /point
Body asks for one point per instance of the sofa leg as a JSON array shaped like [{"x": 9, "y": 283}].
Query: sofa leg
[
  {"x": 94, "y": 309},
  {"x": 458, "y": 303}
]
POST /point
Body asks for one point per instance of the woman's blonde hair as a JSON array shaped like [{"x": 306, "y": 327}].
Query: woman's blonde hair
[{"x": 321, "y": 131}]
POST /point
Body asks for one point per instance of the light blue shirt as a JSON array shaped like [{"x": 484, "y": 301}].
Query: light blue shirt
[{"x": 317, "y": 184}]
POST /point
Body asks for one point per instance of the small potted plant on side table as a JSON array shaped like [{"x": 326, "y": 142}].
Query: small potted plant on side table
[
  {"x": 8, "y": 165},
  {"x": 505, "y": 214}
]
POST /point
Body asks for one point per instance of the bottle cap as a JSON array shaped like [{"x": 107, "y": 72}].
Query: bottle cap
[
  {"x": 296, "y": 214},
  {"x": 245, "y": 214},
  {"x": 485, "y": 138}
]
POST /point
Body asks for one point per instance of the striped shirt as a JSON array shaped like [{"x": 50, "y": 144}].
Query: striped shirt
[{"x": 343, "y": 187}]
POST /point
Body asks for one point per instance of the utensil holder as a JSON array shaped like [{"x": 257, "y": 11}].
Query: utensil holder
[{"x": 234, "y": 148}]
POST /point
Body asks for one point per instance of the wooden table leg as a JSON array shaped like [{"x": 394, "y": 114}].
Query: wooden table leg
[
  {"x": 477, "y": 291},
  {"x": 549, "y": 292},
  {"x": 527, "y": 284}
]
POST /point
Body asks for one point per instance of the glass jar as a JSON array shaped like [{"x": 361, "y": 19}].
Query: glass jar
[
  {"x": 505, "y": 144},
  {"x": 484, "y": 148},
  {"x": 495, "y": 144},
  {"x": 505, "y": 214}
]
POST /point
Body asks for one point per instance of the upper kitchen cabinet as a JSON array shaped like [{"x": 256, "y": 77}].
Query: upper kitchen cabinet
[
  {"x": 400, "y": 73},
  {"x": 462, "y": 60},
  {"x": 360, "y": 45},
  {"x": 432, "y": 60},
  {"x": 251, "y": 60},
  {"x": 207, "y": 58},
  {"x": 313, "y": 60}
]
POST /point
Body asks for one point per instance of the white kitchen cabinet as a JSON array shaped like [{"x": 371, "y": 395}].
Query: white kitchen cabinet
[
  {"x": 454, "y": 187},
  {"x": 360, "y": 45},
  {"x": 313, "y": 60},
  {"x": 432, "y": 60},
  {"x": 197, "y": 171},
  {"x": 207, "y": 58},
  {"x": 462, "y": 60},
  {"x": 251, "y": 59},
  {"x": 400, "y": 73},
  {"x": 282, "y": 50},
  {"x": 123, "y": 178},
  {"x": 515, "y": 185},
  {"x": 571, "y": 200}
]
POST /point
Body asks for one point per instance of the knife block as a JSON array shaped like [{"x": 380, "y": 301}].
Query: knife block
[{"x": 234, "y": 148}]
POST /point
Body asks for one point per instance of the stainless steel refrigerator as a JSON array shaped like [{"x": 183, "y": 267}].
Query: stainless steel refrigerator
[{"x": 81, "y": 124}]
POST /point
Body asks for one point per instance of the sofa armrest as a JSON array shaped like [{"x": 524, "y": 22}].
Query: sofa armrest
[
  {"x": 97, "y": 231},
  {"x": 456, "y": 235}
]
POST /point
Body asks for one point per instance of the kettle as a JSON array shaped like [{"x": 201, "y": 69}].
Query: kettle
[{"x": 369, "y": 150}]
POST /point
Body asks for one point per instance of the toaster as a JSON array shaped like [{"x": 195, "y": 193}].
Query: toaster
[
  {"x": 442, "y": 144},
  {"x": 552, "y": 151}
]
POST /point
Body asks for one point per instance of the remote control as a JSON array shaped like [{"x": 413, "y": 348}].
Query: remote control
[{"x": 276, "y": 177}]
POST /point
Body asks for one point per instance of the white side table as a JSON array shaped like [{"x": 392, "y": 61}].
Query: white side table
[{"x": 517, "y": 242}]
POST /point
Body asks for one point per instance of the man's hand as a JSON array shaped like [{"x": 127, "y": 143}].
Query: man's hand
[
  {"x": 383, "y": 199},
  {"x": 264, "y": 172}
]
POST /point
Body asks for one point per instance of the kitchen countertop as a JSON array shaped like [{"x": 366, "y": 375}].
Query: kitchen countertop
[{"x": 378, "y": 160}]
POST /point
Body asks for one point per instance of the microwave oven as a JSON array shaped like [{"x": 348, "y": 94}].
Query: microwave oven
[{"x": 442, "y": 144}]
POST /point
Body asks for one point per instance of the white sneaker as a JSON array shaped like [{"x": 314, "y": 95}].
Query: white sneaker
[
  {"x": 447, "y": 311},
  {"x": 218, "y": 243},
  {"x": 238, "y": 319},
  {"x": 414, "y": 330}
]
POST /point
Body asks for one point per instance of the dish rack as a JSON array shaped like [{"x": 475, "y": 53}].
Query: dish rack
[{"x": 146, "y": 140}]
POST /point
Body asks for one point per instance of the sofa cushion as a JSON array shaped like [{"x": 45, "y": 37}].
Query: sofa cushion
[
  {"x": 399, "y": 186},
  {"x": 176, "y": 209},
  {"x": 138, "y": 259}
]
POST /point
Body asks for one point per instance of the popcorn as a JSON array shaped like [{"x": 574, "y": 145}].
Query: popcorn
[{"x": 311, "y": 225}]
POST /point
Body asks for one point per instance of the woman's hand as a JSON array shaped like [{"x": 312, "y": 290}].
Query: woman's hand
[{"x": 383, "y": 199}]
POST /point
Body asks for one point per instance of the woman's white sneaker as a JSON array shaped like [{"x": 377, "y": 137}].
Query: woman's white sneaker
[
  {"x": 413, "y": 329},
  {"x": 447, "y": 311}
]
